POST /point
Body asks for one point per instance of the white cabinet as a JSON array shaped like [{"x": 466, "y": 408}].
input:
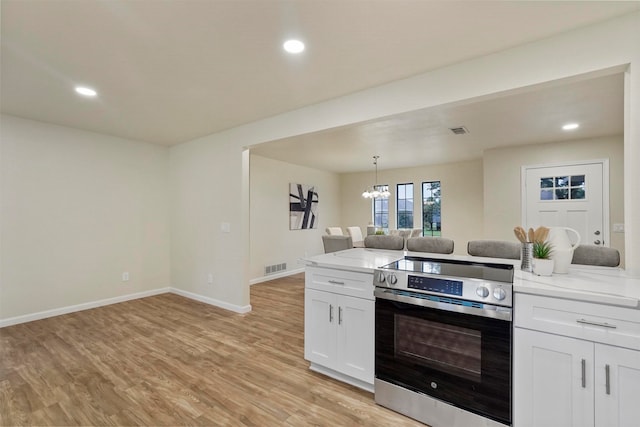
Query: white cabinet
[
  {"x": 339, "y": 328},
  {"x": 617, "y": 371},
  {"x": 560, "y": 380}
]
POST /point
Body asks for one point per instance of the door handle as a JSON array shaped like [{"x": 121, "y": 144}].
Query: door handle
[
  {"x": 584, "y": 373},
  {"x": 607, "y": 383},
  {"x": 339, "y": 315},
  {"x": 330, "y": 313}
]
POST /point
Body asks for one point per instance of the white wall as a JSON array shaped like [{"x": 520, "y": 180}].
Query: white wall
[
  {"x": 208, "y": 188},
  {"x": 77, "y": 210},
  {"x": 462, "y": 203},
  {"x": 271, "y": 240},
  {"x": 502, "y": 178}
]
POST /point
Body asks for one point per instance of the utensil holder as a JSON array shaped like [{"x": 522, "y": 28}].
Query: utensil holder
[{"x": 526, "y": 257}]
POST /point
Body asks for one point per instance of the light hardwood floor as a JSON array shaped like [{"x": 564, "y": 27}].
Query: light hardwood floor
[{"x": 167, "y": 360}]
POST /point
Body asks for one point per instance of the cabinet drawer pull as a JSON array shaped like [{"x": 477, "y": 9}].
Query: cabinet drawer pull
[
  {"x": 607, "y": 383},
  {"x": 330, "y": 313},
  {"x": 602, "y": 324},
  {"x": 336, "y": 282},
  {"x": 584, "y": 373},
  {"x": 339, "y": 315}
]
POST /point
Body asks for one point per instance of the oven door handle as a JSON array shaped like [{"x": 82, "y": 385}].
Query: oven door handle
[{"x": 491, "y": 311}]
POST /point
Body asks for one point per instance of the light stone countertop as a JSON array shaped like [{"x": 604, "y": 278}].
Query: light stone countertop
[{"x": 604, "y": 285}]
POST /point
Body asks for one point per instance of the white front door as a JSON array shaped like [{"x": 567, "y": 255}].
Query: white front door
[{"x": 571, "y": 195}]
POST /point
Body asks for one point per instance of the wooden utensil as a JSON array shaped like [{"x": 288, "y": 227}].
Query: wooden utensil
[
  {"x": 520, "y": 234},
  {"x": 531, "y": 235},
  {"x": 541, "y": 234}
]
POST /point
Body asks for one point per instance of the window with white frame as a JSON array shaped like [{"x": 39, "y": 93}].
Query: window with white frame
[{"x": 431, "y": 214}]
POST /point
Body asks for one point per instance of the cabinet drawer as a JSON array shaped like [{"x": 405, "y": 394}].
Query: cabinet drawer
[
  {"x": 589, "y": 321},
  {"x": 340, "y": 282}
]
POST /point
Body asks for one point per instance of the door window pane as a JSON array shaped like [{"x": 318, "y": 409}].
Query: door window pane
[
  {"x": 546, "y": 182},
  {"x": 562, "y": 181},
  {"x": 577, "y": 180},
  {"x": 572, "y": 187},
  {"x": 546, "y": 194},
  {"x": 562, "y": 194}
]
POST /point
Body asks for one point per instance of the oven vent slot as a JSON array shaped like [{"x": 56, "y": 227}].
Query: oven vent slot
[{"x": 445, "y": 300}]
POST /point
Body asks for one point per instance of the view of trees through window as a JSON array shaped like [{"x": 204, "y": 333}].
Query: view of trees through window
[
  {"x": 381, "y": 210},
  {"x": 431, "y": 214},
  {"x": 404, "y": 203},
  {"x": 431, "y": 218}
]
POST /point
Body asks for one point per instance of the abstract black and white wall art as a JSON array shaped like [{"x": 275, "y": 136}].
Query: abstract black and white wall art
[{"x": 303, "y": 207}]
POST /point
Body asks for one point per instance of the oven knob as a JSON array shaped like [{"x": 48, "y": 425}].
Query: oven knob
[
  {"x": 499, "y": 294},
  {"x": 482, "y": 292},
  {"x": 393, "y": 279},
  {"x": 381, "y": 277}
]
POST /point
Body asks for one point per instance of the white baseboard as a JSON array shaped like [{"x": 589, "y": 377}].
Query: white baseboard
[
  {"x": 79, "y": 307},
  {"x": 108, "y": 301},
  {"x": 276, "y": 276},
  {"x": 212, "y": 301}
]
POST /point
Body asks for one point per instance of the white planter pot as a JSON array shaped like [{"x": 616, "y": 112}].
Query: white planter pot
[{"x": 542, "y": 267}]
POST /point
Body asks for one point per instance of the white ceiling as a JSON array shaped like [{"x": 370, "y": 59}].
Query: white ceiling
[
  {"x": 171, "y": 71},
  {"x": 423, "y": 137}
]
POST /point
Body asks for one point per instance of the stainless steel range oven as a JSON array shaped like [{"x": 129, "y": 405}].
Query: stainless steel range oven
[{"x": 443, "y": 341}]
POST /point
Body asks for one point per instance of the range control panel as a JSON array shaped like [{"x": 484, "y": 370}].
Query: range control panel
[
  {"x": 443, "y": 286},
  {"x": 424, "y": 278}
]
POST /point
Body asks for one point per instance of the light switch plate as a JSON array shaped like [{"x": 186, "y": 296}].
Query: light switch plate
[
  {"x": 618, "y": 228},
  {"x": 225, "y": 227}
]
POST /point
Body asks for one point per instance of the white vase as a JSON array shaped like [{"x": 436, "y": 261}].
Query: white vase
[
  {"x": 562, "y": 252},
  {"x": 542, "y": 267}
]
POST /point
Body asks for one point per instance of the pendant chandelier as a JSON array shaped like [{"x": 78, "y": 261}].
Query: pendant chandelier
[{"x": 375, "y": 191}]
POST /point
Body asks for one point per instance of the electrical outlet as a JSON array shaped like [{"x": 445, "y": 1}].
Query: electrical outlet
[
  {"x": 210, "y": 279},
  {"x": 125, "y": 276}
]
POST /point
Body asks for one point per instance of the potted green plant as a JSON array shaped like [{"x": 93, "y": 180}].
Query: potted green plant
[{"x": 542, "y": 262}]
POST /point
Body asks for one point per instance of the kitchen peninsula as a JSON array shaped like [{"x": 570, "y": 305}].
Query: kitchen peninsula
[{"x": 576, "y": 337}]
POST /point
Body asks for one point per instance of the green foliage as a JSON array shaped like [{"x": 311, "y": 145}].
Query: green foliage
[
  {"x": 542, "y": 250},
  {"x": 379, "y": 232}
]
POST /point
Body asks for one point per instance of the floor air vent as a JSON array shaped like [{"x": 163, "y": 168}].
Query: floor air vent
[{"x": 270, "y": 269}]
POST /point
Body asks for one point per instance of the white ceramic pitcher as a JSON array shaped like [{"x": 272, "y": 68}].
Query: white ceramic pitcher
[{"x": 562, "y": 249}]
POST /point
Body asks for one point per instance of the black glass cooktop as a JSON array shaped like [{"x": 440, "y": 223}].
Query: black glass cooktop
[{"x": 454, "y": 268}]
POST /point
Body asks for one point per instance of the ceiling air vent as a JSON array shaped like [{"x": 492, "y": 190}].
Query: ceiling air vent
[{"x": 460, "y": 130}]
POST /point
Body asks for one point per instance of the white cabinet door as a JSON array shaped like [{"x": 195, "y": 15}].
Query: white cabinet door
[
  {"x": 617, "y": 397},
  {"x": 553, "y": 380},
  {"x": 319, "y": 327},
  {"x": 339, "y": 333},
  {"x": 355, "y": 338}
]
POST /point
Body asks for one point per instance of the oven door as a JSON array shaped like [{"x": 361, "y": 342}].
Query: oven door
[{"x": 460, "y": 358}]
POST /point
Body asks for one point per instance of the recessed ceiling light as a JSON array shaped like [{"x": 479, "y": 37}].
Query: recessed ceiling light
[
  {"x": 571, "y": 126},
  {"x": 293, "y": 46},
  {"x": 86, "y": 91}
]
